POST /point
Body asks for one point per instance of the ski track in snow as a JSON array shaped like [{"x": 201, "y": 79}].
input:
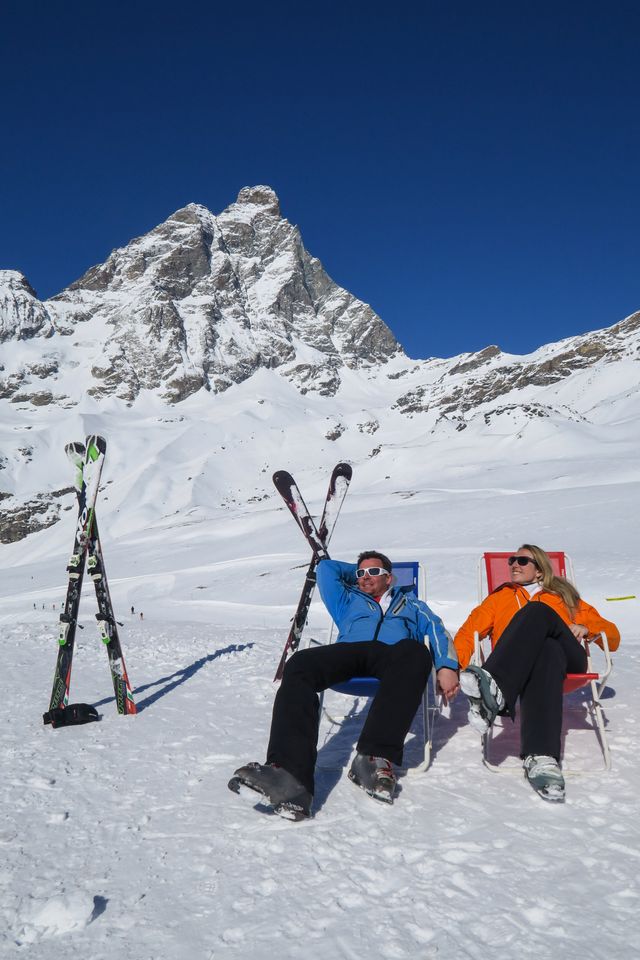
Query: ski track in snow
[{"x": 121, "y": 839}]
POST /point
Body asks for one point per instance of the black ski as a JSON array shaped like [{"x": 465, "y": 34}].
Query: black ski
[
  {"x": 338, "y": 486},
  {"x": 288, "y": 490},
  {"x": 108, "y": 626},
  {"x": 87, "y": 483},
  {"x": 105, "y": 616}
]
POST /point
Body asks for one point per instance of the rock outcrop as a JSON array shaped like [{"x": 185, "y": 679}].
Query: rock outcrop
[
  {"x": 205, "y": 301},
  {"x": 22, "y": 315}
]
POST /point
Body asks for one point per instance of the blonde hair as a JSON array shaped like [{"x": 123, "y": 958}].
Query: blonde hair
[{"x": 558, "y": 585}]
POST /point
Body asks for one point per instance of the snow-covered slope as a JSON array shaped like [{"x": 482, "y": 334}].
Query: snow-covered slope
[
  {"x": 183, "y": 479},
  {"x": 210, "y": 353},
  {"x": 215, "y": 349},
  {"x": 121, "y": 841}
]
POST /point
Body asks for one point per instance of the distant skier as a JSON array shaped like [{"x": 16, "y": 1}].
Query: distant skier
[
  {"x": 132, "y": 611},
  {"x": 536, "y": 623},
  {"x": 381, "y": 629},
  {"x": 141, "y": 616}
]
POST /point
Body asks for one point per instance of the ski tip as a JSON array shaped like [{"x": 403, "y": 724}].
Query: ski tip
[
  {"x": 282, "y": 478},
  {"x": 343, "y": 470},
  {"x": 75, "y": 447},
  {"x": 95, "y": 445}
]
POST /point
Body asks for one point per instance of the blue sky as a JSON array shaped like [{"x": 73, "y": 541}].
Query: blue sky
[{"x": 470, "y": 169}]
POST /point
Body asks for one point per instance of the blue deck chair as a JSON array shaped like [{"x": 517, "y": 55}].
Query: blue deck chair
[{"x": 407, "y": 574}]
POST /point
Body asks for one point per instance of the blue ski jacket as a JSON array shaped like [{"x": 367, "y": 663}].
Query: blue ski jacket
[{"x": 360, "y": 617}]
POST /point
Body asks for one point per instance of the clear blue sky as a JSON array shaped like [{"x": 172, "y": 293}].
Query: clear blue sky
[{"x": 470, "y": 169}]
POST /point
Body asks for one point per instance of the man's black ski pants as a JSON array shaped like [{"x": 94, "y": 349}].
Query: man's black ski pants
[{"x": 403, "y": 670}]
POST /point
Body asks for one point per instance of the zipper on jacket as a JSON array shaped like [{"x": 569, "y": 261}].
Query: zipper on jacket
[
  {"x": 403, "y": 603},
  {"x": 374, "y": 603},
  {"x": 377, "y": 630},
  {"x": 398, "y": 607}
]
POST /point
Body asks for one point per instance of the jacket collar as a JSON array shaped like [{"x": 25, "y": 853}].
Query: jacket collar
[{"x": 515, "y": 587}]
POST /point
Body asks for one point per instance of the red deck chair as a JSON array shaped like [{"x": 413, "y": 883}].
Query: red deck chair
[{"x": 493, "y": 570}]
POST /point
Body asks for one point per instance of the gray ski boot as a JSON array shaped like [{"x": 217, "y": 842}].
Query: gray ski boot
[
  {"x": 279, "y": 789},
  {"x": 375, "y": 775},
  {"x": 485, "y": 697},
  {"x": 545, "y": 776}
]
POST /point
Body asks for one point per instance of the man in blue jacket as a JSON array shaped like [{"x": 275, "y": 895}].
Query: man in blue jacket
[{"x": 381, "y": 629}]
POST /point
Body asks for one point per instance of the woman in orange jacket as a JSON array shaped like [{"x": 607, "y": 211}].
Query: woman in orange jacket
[{"x": 539, "y": 620}]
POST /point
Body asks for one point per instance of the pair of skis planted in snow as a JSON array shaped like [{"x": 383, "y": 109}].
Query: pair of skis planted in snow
[
  {"x": 317, "y": 537},
  {"x": 88, "y": 461}
]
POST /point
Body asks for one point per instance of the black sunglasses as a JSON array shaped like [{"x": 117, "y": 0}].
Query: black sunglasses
[
  {"x": 371, "y": 571},
  {"x": 521, "y": 561}
]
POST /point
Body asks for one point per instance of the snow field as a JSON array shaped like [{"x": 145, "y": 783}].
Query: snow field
[{"x": 121, "y": 838}]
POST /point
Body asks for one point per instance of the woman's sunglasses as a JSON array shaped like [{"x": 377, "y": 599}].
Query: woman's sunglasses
[{"x": 521, "y": 561}]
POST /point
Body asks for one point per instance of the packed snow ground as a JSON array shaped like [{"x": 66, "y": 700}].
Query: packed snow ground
[{"x": 121, "y": 839}]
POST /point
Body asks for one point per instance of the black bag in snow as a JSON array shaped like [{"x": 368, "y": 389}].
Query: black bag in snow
[{"x": 72, "y": 714}]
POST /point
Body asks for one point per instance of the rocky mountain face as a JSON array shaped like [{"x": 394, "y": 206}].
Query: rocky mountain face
[
  {"x": 479, "y": 381},
  {"x": 231, "y": 313},
  {"x": 204, "y": 301},
  {"x": 22, "y": 315}
]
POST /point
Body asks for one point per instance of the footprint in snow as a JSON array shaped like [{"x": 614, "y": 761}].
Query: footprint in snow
[
  {"x": 58, "y": 817},
  {"x": 41, "y": 783},
  {"x": 58, "y": 915}
]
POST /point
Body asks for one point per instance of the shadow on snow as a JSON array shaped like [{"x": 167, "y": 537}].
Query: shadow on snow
[{"x": 174, "y": 680}]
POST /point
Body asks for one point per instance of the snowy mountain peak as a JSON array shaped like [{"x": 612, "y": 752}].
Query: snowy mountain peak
[
  {"x": 203, "y": 301},
  {"x": 14, "y": 280},
  {"x": 260, "y": 196},
  {"x": 22, "y": 315}
]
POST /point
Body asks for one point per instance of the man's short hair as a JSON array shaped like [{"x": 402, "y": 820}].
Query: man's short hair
[{"x": 376, "y": 555}]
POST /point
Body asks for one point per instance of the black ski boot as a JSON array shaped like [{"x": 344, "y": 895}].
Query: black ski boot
[
  {"x": 375, "y": 775},
  {"x": 280, "y": 789}
]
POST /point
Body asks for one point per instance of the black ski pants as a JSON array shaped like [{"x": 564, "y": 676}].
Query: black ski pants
[
  {"x": 403, "y": 670},
  {"x": 530, "y": 661}
]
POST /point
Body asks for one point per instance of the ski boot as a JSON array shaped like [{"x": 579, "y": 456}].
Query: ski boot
[
  {"x": 485, "y": 697},
  {"x": 280, "y": 790},
  {"x": 545, "y": 776},
  {"x": 375, "y": 776}
]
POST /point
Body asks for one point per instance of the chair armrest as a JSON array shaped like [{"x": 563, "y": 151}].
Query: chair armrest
[{"x": 608, "y": 662}]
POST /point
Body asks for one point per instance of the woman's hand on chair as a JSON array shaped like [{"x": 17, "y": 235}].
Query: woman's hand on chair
[{"x": 579, "y": 631}]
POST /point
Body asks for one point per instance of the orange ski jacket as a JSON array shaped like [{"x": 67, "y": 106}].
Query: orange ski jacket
[{"x": 496, "y": 610}]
